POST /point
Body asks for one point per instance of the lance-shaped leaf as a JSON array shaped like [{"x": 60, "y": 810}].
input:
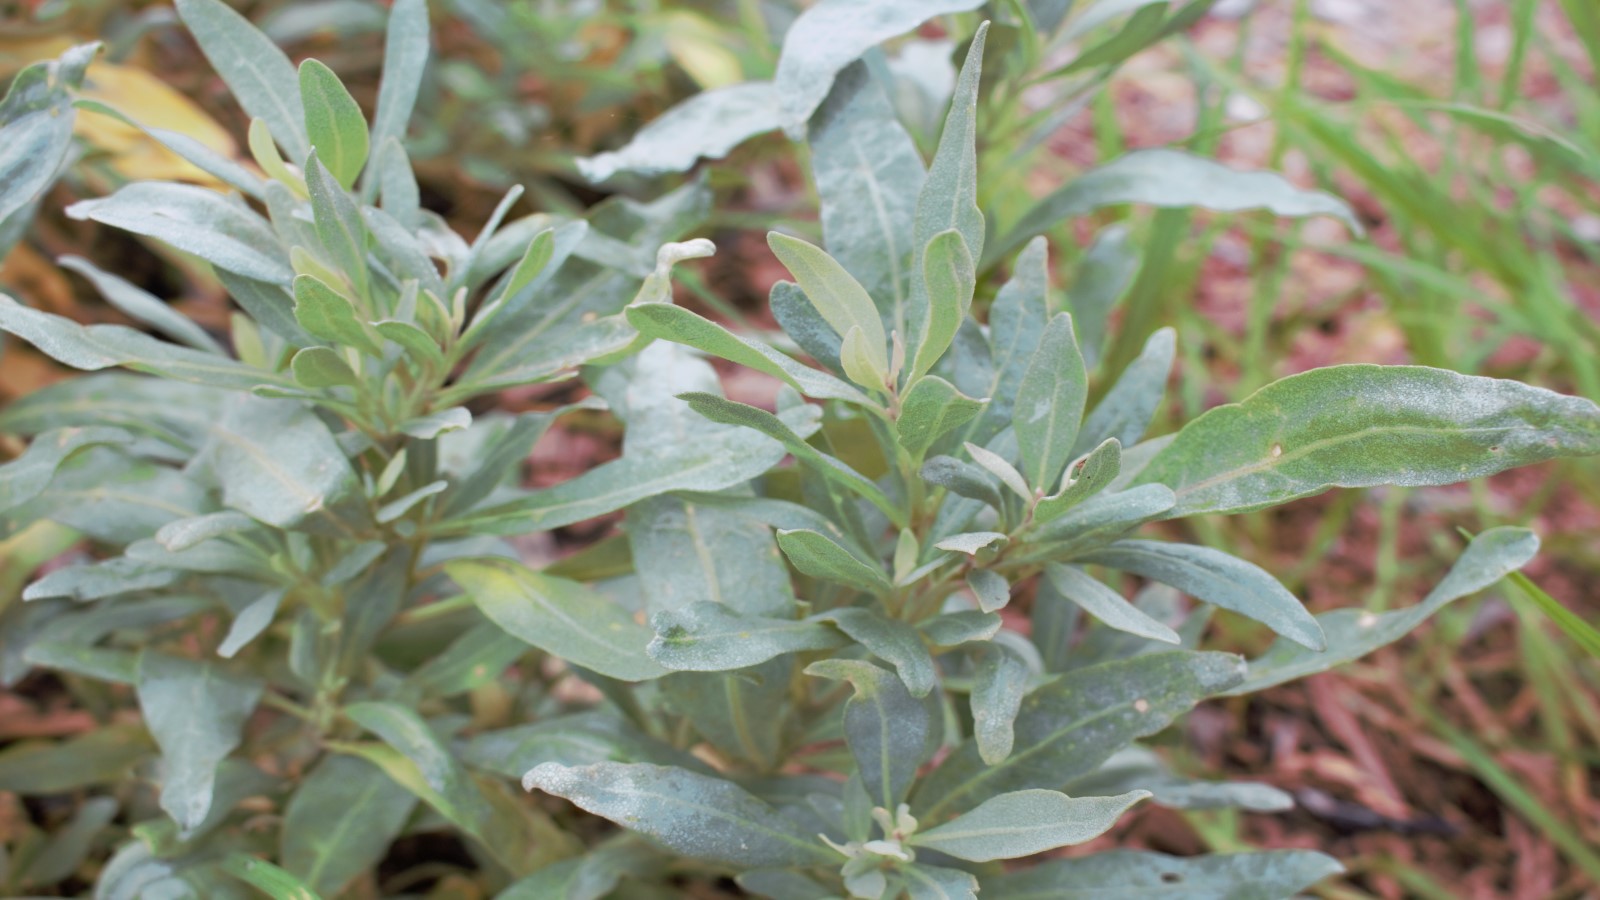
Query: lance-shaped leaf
[
  {"x": 710, "y": 637},
  {"x": 1017, "y": 320},
  {"x": 890, "y": 733},
  {"x": 1140, "y": 875},
  {"x": 558, "y": 616},
  {"x": 256, "y": 71},
  {"x": 27, "y": 476},
  {"x": 741, "y": 713},
  {"x": 949, "y": 278},
  {"x": 405, "y": 58},
  {"x": 139, "y": 304},
  {"x": 340, "y": 822},
  {"x": 37, "y": 116},
  {"x": 949, "y": 198},
  {"x": 418, "y": 760},
  {"x": 697, "y": 552},
  {"x": 674, "y": 323},
  {"x": 932, "y": 408},
  {"x": 1125, "y": 411},
  {"x": 817, "y": 555},
  {"x": 1107, "y": 515},
  {"x": 1140, "y": 767},
  {"x": 334, "y": 123},
  {"x": 1000, "y": 468},
  {"x": 999, "y": 683},
  {"x": 962, "y": 478},
  {"x": 692, "y": 815},
  {"x": 101, "y": 346},
  {"x": 1103, "y": 276},
  {"x": 1218, "y": 578},
  {"x": 868, "y": 174},
  {"x": 711, "y": 463},
  {"x": 1105, "y": 604},
  {"x": 709, "y": 124},
  {"x": 1049, "y": 406},
  {"x": 1069, "y": 726},
  {"x": 196, "y": 712},
  {"x": 892, "y": 641},
  {"x": 729, "y": 412},
  {"x": 801, "y": 321},
  {"x": 840, "y": 299},
  {"x": 280, "y": 464},
  {"x": 338, "y": 221},
  {"x": 1171, "y": 178},
  {"x": 1088, "y": 476},
  {"x": 1353, "y": 633},
  {"x": 834, "y": 33},
  {"x": 1360, "y": 426},
  {"x": 962, "y": 627},
  {"x": 925, "y": 882},
  {"x": 991, "y": 589},
  {"x": 1023, "y": 823},
  {"x": 194, "y": 219}
]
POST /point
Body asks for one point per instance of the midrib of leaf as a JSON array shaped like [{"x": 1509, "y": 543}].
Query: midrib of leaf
[
  {"x": 731, "y": 690},
  {"x": 984, "y": 774},
  {"x": 581, "y": 629},
  {"x": 881, "y": 212},
  {"x": 884, "y": 757},
  {"x": 338, "y": 835},
  {"x": 91, "y": 406},
  {"x": 555, "y": 315},
  {"x": 1325, "y": 443},
  {"x": 911, "y": 872},
  {"x": 742, "y": 632},
  {"x": 249, "y": 62},
  {"x": 334, "y": 129},
  {"x": 716, "y": 813},
  {"x": 703, "y": 552},
  {"x": 101, "y": 493}
]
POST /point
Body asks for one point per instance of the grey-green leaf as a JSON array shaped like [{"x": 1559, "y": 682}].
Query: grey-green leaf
[
  {"x": 1000, "y": 681},
  {"x": 1049, "y": 406},
  {"x": 1363, "y": 425},
  {"x": 196, "y": 712},
  {"x": 892, "y": 641},
  {"x": 139, "y": 304},
  {"x": 1105, "y": 604},
  {"x": 1072, "y": 724},
  {"x": 710, "y": 637},
  {"x": 817, "y": 555},
  {"x": 334, "y": 124},
  {"x": 558, "y": 616},
  {"x": 949, "y": 278},
  {"x": 259, "y": 74},
  {"x": 322, "y": 367},
  {"x": 834, "y": 33},
  {"x": 701, "y": 551},
  {"x": 1171, "y": 178},
  {"x": 1141, "y": 875},
  {"x": 693, "y": 815},
  {"x": 890, "y": 733},
  {"x": 1085, "y": 478},
  {"x": 1217, "y": 578},
  {"x": 340, "y": 822},
  {"x": 1126, "y": 410},
  {"x": 279, "y": 463},
  {"x": 222, "y": 231},
  {"x": 932, "y": 408},
  {"x": 840, "y": 299},
  {"x": 868, "y": 175},
  {"x": 1023, "y": 823},
  {"x": 102, "y": 346},
  {"x": 709, "y": 124},
  {"x": 1353, "y": 633},
  {"x": 674, "y": 323},
  {"x": 405, "y": 58}
]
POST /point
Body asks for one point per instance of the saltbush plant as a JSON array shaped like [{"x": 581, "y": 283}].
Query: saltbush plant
[{"x": 877, "y": 670}]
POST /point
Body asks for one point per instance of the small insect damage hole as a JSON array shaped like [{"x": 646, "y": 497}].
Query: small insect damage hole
[{"x": 1170, "y": 878}]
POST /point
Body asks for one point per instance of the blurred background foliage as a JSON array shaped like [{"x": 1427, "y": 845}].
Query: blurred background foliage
[{"x": 1465, "y": 132}]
